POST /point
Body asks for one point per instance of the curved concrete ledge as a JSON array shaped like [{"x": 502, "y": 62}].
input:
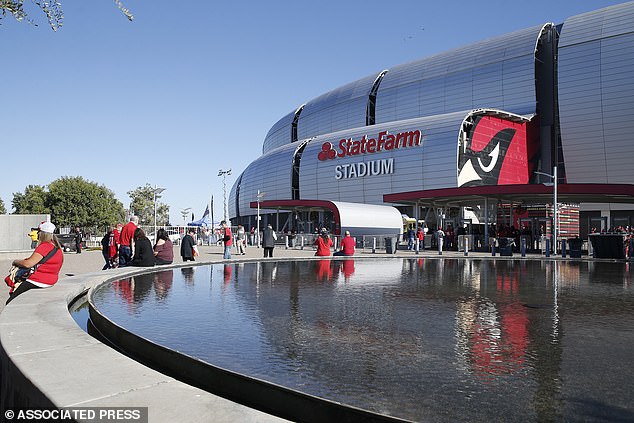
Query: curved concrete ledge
[
  {"x": 262, "y": 395},
  {"x": 47, "y": 360}
]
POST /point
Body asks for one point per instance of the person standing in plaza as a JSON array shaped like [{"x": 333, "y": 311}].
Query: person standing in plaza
[
  {"x": 347, "y": 246},
  {"x": 268, "y": 240},
  {"x": 126, "y": 240},
  {"x": 411, "y": 236},
  {"x": 420, "y": 236},
  {"x": 47, "y": 259},
  {"x": 241, "y": 240},
  {"x": 227, "y": 239},
  {"x": 187, "y": 245},
  {"x": 78, "y": 240},
  {"x": 34, "y": 236}
]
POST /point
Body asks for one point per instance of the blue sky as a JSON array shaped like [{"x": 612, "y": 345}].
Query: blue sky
[{"x": 192, "y": 87}]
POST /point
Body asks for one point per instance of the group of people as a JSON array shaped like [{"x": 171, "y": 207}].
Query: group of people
[
  {"x": 323, "y": 243},
  {"x": 119, "y": 242},
  {"x": 414, "y": 237}
]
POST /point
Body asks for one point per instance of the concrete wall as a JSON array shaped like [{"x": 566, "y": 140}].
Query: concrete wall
[{"x": 14, "y": 230}]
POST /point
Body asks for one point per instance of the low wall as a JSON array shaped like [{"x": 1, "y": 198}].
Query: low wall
[{"x": 47, "y": 360}]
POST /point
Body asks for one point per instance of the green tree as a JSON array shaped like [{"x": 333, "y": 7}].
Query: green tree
[
  {"x": 3, "y": 210},
  {"x": 73, "y": 201},
  {"x": 52, "y": 9},
  {"x": 32, "y": 201},
  {"x": 142, "y": 205}
]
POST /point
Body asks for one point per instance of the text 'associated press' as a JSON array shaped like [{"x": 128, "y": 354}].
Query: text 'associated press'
[{"x": 87, "y": 414}]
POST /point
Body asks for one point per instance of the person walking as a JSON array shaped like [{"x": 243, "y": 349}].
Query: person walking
[
  {"x": 109, "y": 250},
  {"x": 410, "y": 238},
  {"x": 268, "y": 240},
  {"x": 187, "y": 245},
  {"x": 126, "y": 239},
  {"x": 227, "y": 239}
]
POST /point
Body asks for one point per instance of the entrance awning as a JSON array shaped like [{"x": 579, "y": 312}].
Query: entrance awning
[
  {"x": 517, "y": 194},
  {"x": 359, "y": 219}
]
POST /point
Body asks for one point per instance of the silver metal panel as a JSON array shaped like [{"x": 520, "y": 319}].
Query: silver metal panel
[
  {"x": 498, "y": 73},
  {"x": 279, "y": 134},
  {"x": 270, "y": 173},
  {"x": 603, "y": 23},
  {"x": 430, "y": 165},
  {"x": 341, "y": 108},
  {"x": 596, "y": 95}
]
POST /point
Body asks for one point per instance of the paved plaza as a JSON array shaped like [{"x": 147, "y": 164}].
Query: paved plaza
[{"x": 90, "y": 261}]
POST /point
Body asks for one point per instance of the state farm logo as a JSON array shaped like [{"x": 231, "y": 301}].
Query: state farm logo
[
  {"x": 327, "y": 152},
  {"x": 368, "y": 145}
]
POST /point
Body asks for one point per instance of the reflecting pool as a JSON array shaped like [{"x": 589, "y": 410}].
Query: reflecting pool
[{"x": 419, "y": 339}]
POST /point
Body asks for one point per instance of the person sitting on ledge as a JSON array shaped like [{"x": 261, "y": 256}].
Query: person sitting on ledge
[
  {"x": 143, "y": 252},
  {"x": 47, "y": 259},
  {"x": 347, "y": 246},
  {"x": 164, "y": 248},
  {"x": 323, "y": 243}
]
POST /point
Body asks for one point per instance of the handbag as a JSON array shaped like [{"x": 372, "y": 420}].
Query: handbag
[{"x": 17, "y": 275}]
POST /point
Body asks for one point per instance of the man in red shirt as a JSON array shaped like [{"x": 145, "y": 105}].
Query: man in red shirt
[
  {"x": 347, "y": 246},
  {"x": 125, "y": 245}
]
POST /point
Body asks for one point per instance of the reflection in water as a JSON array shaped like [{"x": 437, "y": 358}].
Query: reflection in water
[
  {"x": 163, "y": 283},
  {"x": 188, "y": 274},
  {"x": 421, "y": 339}
]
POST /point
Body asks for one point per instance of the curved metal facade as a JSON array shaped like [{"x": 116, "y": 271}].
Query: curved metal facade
[
  {"x": 596, "y": 95},
  {"x": 342, "y": 108},
  {"x": 583, "y": 88},
  {"x": 497, "y": 73},
  {"x": 432, "y": 164},
  {"x": 272, "y": 174},
  {"x": 279, "y": 134}
]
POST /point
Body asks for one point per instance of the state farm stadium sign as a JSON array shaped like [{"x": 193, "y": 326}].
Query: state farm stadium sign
[{"x": 348, "y": 147}]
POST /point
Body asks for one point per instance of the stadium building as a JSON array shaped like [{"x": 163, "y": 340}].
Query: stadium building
[{"x": 473, "y": 135}]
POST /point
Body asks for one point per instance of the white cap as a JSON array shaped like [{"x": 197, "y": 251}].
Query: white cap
[{"x": 47, "y": 227}]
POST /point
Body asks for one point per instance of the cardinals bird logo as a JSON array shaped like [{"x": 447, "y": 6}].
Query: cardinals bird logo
[{"x": 494, "y": 154}]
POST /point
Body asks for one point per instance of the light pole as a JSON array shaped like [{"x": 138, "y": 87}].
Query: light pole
[
  {"x": 185, "y": 213},
  {"x": 224, "y": 174},
  {"x": 156, "y": 192},
  {"x": 258, "y": 199},
  {"x": 555, "y": 208}
]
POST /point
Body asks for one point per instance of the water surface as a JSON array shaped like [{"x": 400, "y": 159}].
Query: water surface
[{"x": 420, "y": 339}]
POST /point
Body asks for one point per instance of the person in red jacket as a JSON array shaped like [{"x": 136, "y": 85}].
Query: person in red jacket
[
  {"x": 46, "y": 274},
  {"x": 126, "y": 240},
  {"x": 323, "y": 243},
  {"x": 347, "y": 245},
  {"x": 420, "y": 235}
]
